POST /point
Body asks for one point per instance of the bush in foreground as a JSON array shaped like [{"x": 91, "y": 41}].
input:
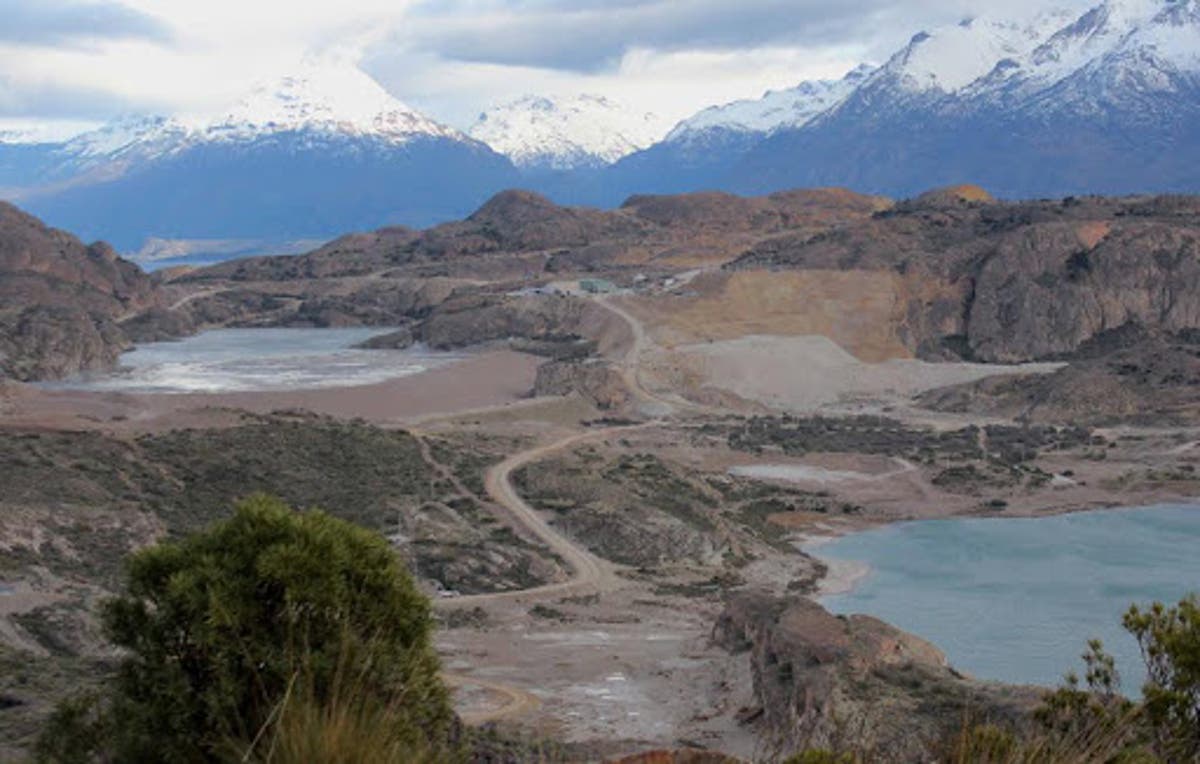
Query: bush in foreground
[
  {"x": 238, "y": 636},
  {"x": 1091, "y": 721}
]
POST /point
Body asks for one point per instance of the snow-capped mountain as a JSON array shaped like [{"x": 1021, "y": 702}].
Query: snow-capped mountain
[
  {"x": 1103, "y": 101},
  {"x": 1098, "y": 100},
  {"x": 334, "y": 99},
  {"x": 777, "y": 109},
  {"x": 540, "y": 133},
  {"x": 337, "y": 101},
  {"x": 700, "y": 151},
  {"x": 950, "y": 59},
  {"x": 314, "y": 154}
]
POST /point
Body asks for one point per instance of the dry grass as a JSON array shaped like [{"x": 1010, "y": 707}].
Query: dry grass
[{"x": 348, "y": 723}]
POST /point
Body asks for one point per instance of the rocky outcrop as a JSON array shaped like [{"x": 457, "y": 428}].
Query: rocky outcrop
[
  {"x": 853, "y": 682},
  {"x": 1129, "y": 376},
  {"x": 397, "y": 340},
  {"x": 519, "y": 234},
  {"x": 61, "y": 300},
  {"x": 480, "y": 318},
  {"x": 383, "y": 302},
  {"x": 355, "y": 254},
  {"x": 42, "y": 343},
  {"x": 1019, "y": 281},
  {"x": 597, "y": 381}
]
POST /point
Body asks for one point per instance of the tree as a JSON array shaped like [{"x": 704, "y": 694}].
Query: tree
[
  {"x": 1169, "y": 638},
  {"x": 221, "y": 627},
  {"x": 1165, "y": 725}
]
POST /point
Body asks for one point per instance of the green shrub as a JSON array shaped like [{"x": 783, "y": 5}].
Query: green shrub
[
  {"x": 219, "y": 628},
  {"x": 1170, "y": 642}
]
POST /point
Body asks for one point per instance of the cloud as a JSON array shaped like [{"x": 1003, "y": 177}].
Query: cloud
[
  {"x": 590, "y": 35},
  {"x": 53, "y": 101},
  {"x": 452, "y": 58},
  {"x": 673, "y": 85},
  {"x": 58, "y": 22}
]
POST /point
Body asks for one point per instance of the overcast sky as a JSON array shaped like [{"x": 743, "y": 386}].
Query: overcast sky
[{"x": 77, "y": 60}]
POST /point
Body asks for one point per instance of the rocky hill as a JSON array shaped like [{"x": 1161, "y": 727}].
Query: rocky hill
[
  {"x": 536, "y": 236},
  {"x": 61, "y": 301},
  {"x": 1126, "y": 376},
  {"x": 837, "y": 682},
  {"x": 1017, "y": 281}
]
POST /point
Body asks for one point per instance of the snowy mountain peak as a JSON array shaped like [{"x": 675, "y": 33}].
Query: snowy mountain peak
[
  {"x": 1149, "y": 38},
  {"x": 332, "y": 98},
  {"x": 949, "y": 59},
  {"x": 566, "y": 133},
  {"x": 125, "y": 135},
  {"x": 777, "y": 109}
]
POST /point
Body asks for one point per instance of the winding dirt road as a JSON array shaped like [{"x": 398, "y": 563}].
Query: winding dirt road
[
  {"x": 589, "y": 573},
  {"x": 631, "y": 367}
]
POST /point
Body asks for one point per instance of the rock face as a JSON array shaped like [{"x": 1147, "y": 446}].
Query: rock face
[
  {"x": 826, "y": 681},
  {"x": 596, "y": 381},
  {"x": 1128, "y": 376},
  {"x": 61, "y": 300},
  {"x": 480, "y": 318},
  {"x": 1009, "y": 282},
  {"x": 51, "y": 343}
]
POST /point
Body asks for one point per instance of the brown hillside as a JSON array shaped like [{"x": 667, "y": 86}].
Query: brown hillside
[{"x": 61, "y": 300}]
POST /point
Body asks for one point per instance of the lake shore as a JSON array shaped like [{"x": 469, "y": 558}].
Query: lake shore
[{"x": 490, "y": 379}]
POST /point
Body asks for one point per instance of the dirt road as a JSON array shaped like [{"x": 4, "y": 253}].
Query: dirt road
[
  {"x": 517, "y": 701},
  {"x": 631, "y": 366},
  {"x": 590, "y": 574}
]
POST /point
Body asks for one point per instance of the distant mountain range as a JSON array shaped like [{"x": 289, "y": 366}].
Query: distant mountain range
[
  {"x": 556, "y": 134},
  {"x": 310, "y": 156},
  {"x": 1107, "y": 101}
]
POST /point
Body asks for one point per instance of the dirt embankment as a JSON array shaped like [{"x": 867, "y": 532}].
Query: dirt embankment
[{"x": 869, "y": 313}]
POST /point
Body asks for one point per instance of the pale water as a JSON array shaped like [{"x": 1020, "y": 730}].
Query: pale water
[
  {"x": 1017, "y": 599},
  {"x": 238, "y": 360}
]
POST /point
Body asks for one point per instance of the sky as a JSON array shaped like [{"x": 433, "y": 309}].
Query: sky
[{"x": 67, "y": 63}]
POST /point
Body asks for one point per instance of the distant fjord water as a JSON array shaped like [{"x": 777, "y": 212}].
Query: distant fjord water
[{"x": 1016, "y": 599}]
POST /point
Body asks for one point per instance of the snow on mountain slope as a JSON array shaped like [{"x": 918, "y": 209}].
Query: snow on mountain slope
[
  {"x": 330, "y": 100},
  {"x": 1104, "y": 99},
  {"x": 128, "y": 138},
  {"x": 947, "y": 60},
  {"x": 338, "y": 98},
  {"x": 566, "y": 133},
  {"x": 1145, "y": 34},
  {"x": 793, "y": 107},
  {"x": 312, "y": 155}
]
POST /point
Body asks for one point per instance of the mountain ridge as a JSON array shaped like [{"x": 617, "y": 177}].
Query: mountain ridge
[{"x": 540, "y": 133}]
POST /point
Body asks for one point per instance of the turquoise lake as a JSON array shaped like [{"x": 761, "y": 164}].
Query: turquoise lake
[{"x": 1017, "y": 599}]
